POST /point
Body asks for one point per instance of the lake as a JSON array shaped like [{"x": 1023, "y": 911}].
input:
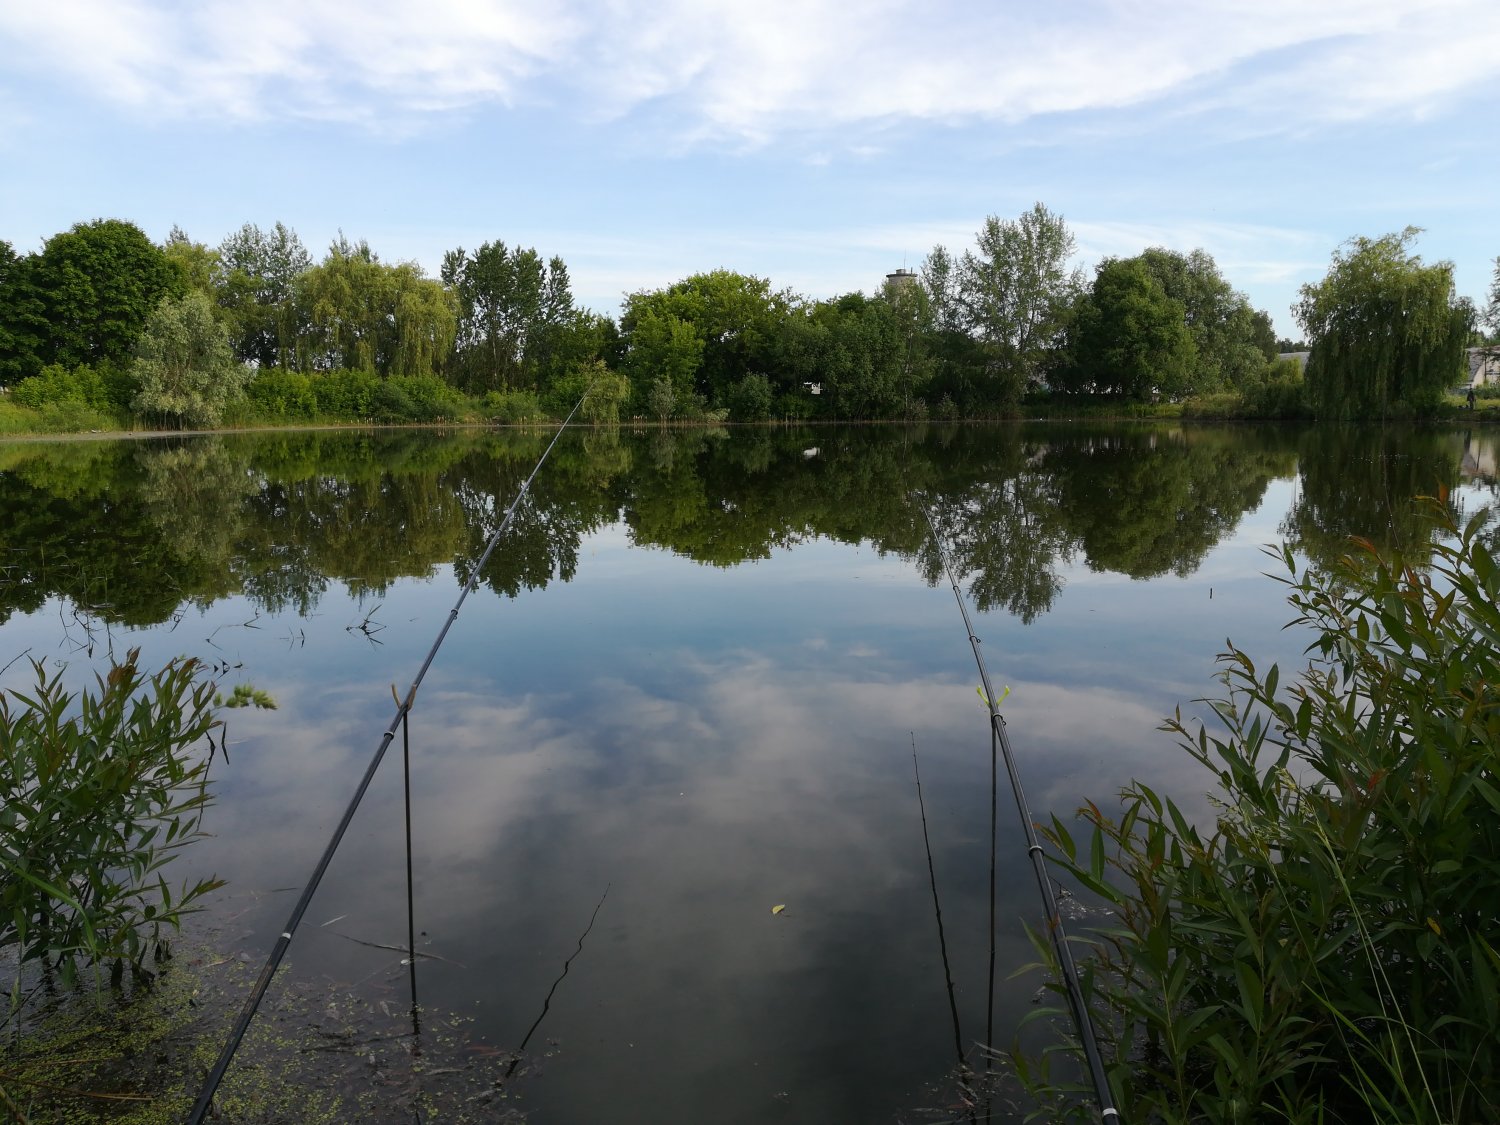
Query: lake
[{"x": 686, "y": 691}]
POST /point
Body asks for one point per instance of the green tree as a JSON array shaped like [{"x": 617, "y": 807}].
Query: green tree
[
  {"x": 1230, "y": 342},
  {"x": 1129, "y": 337},
  {"x": 1012, "y": 291},
  {"x": 358, "y": 312},
  {"x": 911, "y": 306},
  {"x": 83, "y": 300},
  {"x": 735, "y": 318},
  {"x": 184, "y": 365},
  {"x": 662, "y": 351},
  {"x": 257, "y": 286},
  {"x": 197, "y": 265},
  {"x": 1387, "y": 332},
  {"x": 958, "y": 361},
  {"x": 515, "y": 314}
]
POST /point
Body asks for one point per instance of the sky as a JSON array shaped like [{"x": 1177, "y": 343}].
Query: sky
[{"x": 816, "y": 144}]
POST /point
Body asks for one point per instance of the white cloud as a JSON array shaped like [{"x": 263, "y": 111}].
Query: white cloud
[{"x": 726, "y": 70}]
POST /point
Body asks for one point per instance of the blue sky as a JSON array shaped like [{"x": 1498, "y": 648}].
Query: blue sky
[{"x": 817, "y": 144}]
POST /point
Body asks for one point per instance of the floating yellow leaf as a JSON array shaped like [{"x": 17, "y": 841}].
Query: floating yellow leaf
[
  {"x": 778, "y": 908},
  {"x": 1435, "y": 927}
]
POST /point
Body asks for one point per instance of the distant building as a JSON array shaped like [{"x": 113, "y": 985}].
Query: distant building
[
  {"x": 1484, "y": 366},
  {"x": 901, "y": 277},
  {"x": 1300, "y": 357}
]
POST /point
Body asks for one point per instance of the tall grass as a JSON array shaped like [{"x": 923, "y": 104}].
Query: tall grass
[{"x": 1326, "y": 952}]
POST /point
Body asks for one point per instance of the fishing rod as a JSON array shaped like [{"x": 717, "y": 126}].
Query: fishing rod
[
  {"x": 403, "y": 707},
  {"x": 1082, "y": 1021}
]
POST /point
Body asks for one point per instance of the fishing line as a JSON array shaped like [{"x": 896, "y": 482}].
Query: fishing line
[
  {"x": 937, "y": 910},
  {"x": 403, "y": 706},
  {"x": 1082, "y": 1021}
]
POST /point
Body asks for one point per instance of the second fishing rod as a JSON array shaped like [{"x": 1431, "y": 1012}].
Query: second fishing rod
[{"x": 1067, "y": 967}]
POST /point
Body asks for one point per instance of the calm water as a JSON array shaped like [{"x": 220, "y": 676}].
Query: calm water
[{"x": 694, "y": 677}]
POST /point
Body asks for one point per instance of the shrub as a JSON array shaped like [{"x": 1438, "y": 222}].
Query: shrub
[
  {"x": 414, "y": 398},
  {"x": 54, "y": 384},
  {"x": 750, "y": 400},
  {"x": 278, "y": 393},
  {"x": 511, "y": 407},
  {"x": 1325, "y": 952},
  {"x": 97, "y": 798},
  {"x": 344, "y": 393}
]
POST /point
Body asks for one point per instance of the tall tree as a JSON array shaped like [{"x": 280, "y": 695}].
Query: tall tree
[
  {"x": 515, "y": 315},
  {"x": 258, "y": 272},
  {"x": 359, "y": 313},
  {"x": 83, "y": 300},
  {"x": 197, "y": 265},
  {"x": 736, "y": 319},
  {"x": 1228, "y": 338},
  {"x": 1013, "y": 290},
  {"x": 1129, "y": 337},
  {"x": 1387, "y": 332},
  {"x": 1492, "y": 307},
  {"x": 184, "y": 365}
]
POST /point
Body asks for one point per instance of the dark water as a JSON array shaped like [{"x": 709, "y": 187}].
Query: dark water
[{"x": 694, "y": 677}]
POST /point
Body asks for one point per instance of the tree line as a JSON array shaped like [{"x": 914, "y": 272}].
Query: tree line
[{"x": 103, "y": 323}]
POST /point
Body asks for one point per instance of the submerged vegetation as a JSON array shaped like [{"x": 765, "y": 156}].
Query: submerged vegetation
[{"x": 1325, "y": 951}]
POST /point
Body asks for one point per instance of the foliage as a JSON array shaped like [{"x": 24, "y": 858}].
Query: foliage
[
  {"x": 1232, "y": 342},
  {"x": 343, "y": 393},
  {"x": 513, "y": 311},
  {"x": 57, "y": 384},
  {"x": 1280, "y": 394},
  {"x": 1324, "y": 953},
  {"x": 751, "y": 400},
  {"x": 100, "y": 792},
  {"x": 255, "y": 282},
  {"x": 512, "y": 407},
  {"x": 197, "y": 265},
  {"x": 355, "y": 311},
  {"x": 83, "y": 300},
  {"x": 184, "y": 366},
  {"x": 1012, "y": 292},
  {"x": 1129, "y": 337},
  {"x": 704, "y": 335},
  {"x": 1386, "y": 331},
  {"x": 415, "y": 398},
  {"x": 604, "y": 391},
  {"x": 278, "y": 393}
]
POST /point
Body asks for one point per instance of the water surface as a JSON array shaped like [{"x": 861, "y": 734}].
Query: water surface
[{"x": 693, "y": 676}]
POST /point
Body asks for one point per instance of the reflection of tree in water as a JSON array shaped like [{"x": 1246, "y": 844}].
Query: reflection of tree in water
[
  {"x": 1001, "y": 527},
  {"x": 133, "y": 530},
  {"x": 194, "y": 491},
  {"x": 1142, "y": 502},
  {"x": 78, "y": 525},
  {"x": 1365, "y": 482}
]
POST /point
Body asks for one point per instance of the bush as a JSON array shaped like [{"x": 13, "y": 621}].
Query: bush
[
  {"x": 345, "y": 394},
  {"x": 54, "y": 384},
  {"x": 511, "y": 408},
  {"x": 1282, "y": 394},
  {"x": 278, "y": 393},
  {"x": 415, "y": 398},
  {"x": 750, "y": 400},
  {"x": 1325, "y": 952},
  {"x": 97, "y": 798}
]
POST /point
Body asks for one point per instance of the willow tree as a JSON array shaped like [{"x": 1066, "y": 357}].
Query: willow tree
[
  {"x": 1387, "y": 332},
  {"x": 360, "y": 313}
]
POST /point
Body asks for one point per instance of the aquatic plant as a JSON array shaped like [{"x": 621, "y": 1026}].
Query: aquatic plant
[
  {"x": 1325, "y": 952},
  {"x": 100, "y": 790}
]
